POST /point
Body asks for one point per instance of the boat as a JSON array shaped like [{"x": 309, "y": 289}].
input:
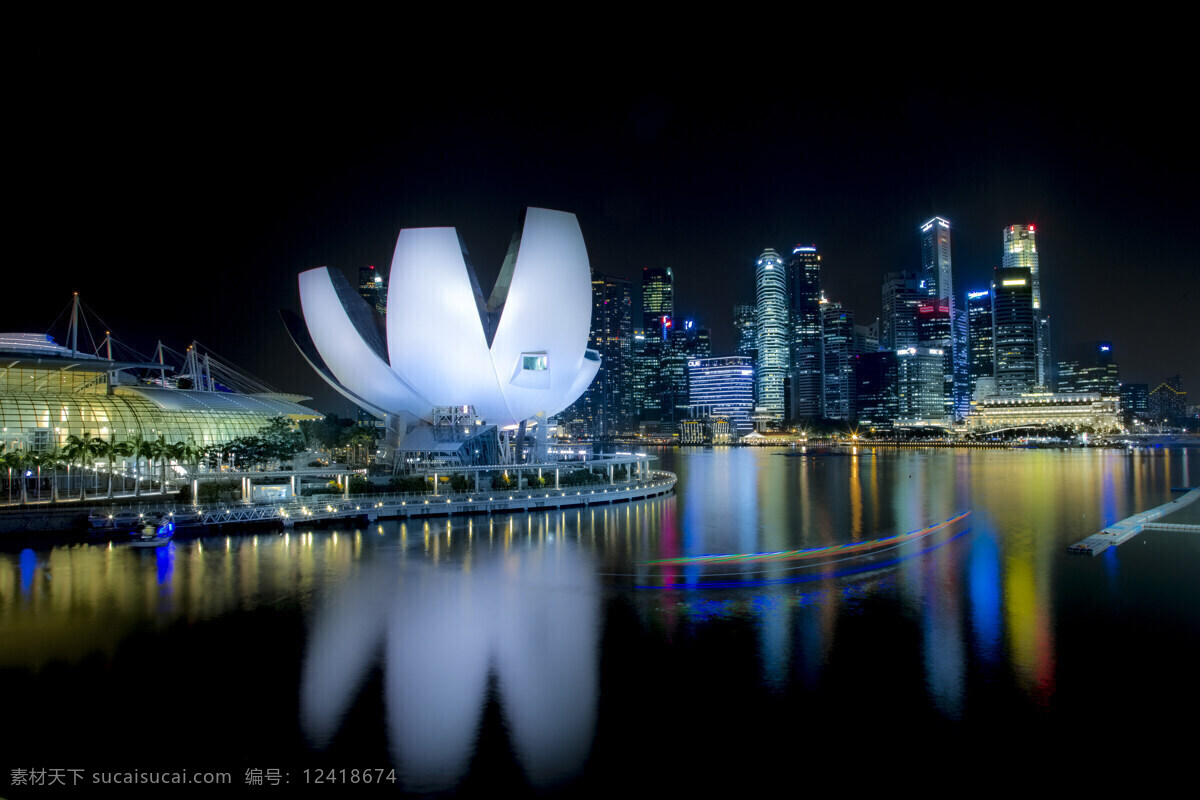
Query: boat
[{"x": 153, "y": 534}]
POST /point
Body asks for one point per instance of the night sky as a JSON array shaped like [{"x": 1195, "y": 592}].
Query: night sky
[{"x": 182, "y": 191}]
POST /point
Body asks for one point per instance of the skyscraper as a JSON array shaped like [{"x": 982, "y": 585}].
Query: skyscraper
[
  {"x": 372, "y": 288},
  {"x": 745, "y": 323},
  {"x": 725, "y": 386},
  {"x": 606, "y": 408},
  {"x": 1020, "y": 251},
  {"x": 770, "y": 281},
  {"x": 658, "y": 307},
  {"x": 806, "y": 333},
  {"x": 937, "y": 272},
  {"x": 838, "y": 335},
  {"x": 903, "y": 294},
  {"x": 877, "y": 381},
  {"x": 982, "y": 353},
  {"x": 1015, "y": 335}
]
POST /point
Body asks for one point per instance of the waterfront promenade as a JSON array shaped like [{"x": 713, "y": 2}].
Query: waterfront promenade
[{"x": 333, "y": 507}]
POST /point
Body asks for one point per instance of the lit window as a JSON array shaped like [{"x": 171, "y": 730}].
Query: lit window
[{"x": 533, "y": 361}]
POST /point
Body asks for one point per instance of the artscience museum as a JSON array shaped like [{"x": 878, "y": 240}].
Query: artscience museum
[{"x": 447, "y": 360}]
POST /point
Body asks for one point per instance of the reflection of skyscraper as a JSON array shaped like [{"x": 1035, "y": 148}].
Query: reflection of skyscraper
[
  {"x": 1015, "y": 333},
  {"x": 770, "y": 280},
  {"x": 807, "y": 354},
  {"x": 1020, "y": 250}
]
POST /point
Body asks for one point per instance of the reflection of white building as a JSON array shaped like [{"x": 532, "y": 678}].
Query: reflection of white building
[
  {"x": 520, "y": 354},
  {"x": 529, "y": 620}
]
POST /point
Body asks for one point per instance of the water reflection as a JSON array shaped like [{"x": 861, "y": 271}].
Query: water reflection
[
  {"x": 429, "y": 621},
  {"x": 530, "y": 618}
]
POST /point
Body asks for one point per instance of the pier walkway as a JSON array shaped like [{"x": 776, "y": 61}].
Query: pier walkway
[
  {"x": 392, "y": 506},
  {"x": 1126, "y": 529}
]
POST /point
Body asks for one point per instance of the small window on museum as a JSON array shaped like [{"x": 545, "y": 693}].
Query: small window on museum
[{"x": 534, "y": 361}]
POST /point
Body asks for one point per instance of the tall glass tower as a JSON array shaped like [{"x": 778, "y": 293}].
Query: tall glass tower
[
  {"x": 606, "y": 408},
  {"x": 982, "y": 352},
  {"x": 1020, "y": 251},
  {"x": 937, "y": 273},
  {"x": 658, "y": 307},
  {"x": 806, "y": 334},
  {"x": 770, "y": 282},
  {"x": 1015, "y": 337}
]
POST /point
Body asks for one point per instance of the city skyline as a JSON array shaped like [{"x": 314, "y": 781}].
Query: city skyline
[{"x": 204, "y": 227}]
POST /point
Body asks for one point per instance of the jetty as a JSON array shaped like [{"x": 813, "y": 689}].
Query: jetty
[
  {"x": 1163, "y": 517},
  {"x": 371, "y": 508}
]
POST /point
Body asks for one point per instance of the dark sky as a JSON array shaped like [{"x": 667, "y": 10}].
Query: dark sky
[{"x": 181, "y": 191}]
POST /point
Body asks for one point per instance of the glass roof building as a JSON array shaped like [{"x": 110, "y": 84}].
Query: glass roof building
[{"x": 48, "y": 393}]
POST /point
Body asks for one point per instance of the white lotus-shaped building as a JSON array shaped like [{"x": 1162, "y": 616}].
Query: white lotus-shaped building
[{"x": 520, "y": 355}]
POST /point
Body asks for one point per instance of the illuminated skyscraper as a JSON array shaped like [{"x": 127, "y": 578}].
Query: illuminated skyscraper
[
  {"x": 807, "y": 332},
  {"x": 372, "y": 288},
  {"x": 1020, "y": 251},
  {"x": 1015, "y": 335},
  {"x": 937, "y": 273},
  {"x": 606, "y": 408},
  {"x": 838, "y": 336},
  {"x": 770, "y": 280},
  {"x": 745, "y": 322},
  {"x": 903, "y": 294},
  {"x": 724, "y": 385},
  {"x": 658, "y": 307},
  {"x": 979, "y": 323}
]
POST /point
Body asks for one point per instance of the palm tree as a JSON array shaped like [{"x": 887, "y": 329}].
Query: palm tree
[
  {"x": 175, "y": 452},
  {"x": 11, "y": 459},
  {"x": 50, "y": 458},
  {"x": 139, "y": 448},
  {"x": 81, "y": 449},
  {"x": 160, "y": 451},
  {"x": 110, "y": 450}
]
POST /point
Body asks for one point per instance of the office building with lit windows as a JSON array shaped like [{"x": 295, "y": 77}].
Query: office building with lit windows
[
  {"x": 1015, "y": 337},
  {"x": 979, "y": 337},
  {"x": 724, "y": 386},
  {"x": 838, "y": 343},
  {"x": 807, "y": 357},
  {"x": 658, "y": 309},
  {"x": 745, "y": 323},
  {"x": 903, "y": 294},
  {"x": 774, "y": 345},
  {"x": 920, "y": 382},
  {"x": 938, "y": 277},
  {"x": 606, "y": 408},
  {"x": 1021, "y": 252}
]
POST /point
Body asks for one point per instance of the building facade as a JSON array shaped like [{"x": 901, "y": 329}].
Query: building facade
[
  {"x": 1020, "y": 252},
  {"x": 774, "y": 350},
  {"x": 724, "y": 385},
  {"x": 606, "y": 408},
  {"x": 1015, "y": 335},
  {"x": 979, "y": 337},
  {"x": 807, "y": 356}
]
